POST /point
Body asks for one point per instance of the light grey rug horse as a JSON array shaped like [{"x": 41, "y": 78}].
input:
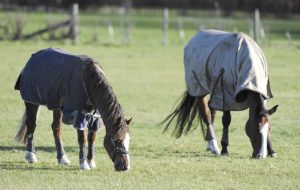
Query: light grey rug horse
[{"x": 231, "y": 68}]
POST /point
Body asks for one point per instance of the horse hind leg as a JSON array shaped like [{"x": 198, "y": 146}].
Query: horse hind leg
[
  {"x": 208, "y": 116},
  {"x": 56, "y": 129},
  {"x": 31, "y": 116},
  {"x": 226, "y": 120}
]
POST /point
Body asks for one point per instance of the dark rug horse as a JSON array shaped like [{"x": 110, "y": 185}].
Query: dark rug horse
[
  {"x": 76, "y": 89},
  {"x": 232, "y": 69}
]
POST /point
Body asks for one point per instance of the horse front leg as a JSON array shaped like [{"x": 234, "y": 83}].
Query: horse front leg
[
  {"x": 91, "y": 149},
  {"x": 271, "y": 152},
  {"x": 226, "y": 120},
  {"x": 207, "y": 116},
  {"x": 82, "y": 152},
  {"x": 31, "y": 115},
  {"x": 56, "y": 129}
]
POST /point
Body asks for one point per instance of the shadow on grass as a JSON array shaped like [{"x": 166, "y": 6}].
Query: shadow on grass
[
  {"x": 149, "y": 151},
  {"x": 39, "y": 148},
  {"x": 22, "y": 165}
]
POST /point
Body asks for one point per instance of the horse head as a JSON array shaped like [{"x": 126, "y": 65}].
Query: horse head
[
  {"x": 258, "y": 128},
  {"x": 116, "y": 143}
]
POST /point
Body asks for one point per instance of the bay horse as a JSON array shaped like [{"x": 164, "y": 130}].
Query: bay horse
[
  {"x": 76, "y": 89},
  {"x": 232, "y": 70}
]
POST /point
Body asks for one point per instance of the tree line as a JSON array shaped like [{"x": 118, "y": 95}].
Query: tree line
[{"x": 279, "y": 7}]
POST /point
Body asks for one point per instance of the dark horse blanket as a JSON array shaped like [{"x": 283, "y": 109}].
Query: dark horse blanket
[
  {"x": 53, "y": 77},
  {"x": 224, "y": 65}
]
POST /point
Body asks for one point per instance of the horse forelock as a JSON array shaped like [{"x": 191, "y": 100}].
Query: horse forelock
[{"x": 102, "y": 96}]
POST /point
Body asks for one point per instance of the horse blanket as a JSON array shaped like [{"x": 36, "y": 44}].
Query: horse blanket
[
  {"x": 52, "y": 77},
  {"x": 223, "y": 65}
]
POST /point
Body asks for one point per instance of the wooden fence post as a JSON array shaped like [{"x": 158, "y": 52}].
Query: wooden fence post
[
  {"x": 165, "y": 26},
  {"x": 74, "y": 28}
]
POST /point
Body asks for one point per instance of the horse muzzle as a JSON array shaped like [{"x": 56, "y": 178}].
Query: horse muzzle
[{"x": 122, "y": 166}]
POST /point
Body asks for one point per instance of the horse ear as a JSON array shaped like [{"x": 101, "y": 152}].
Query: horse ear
[
  {"x": 128, "y": 121},
  {"x": 272, "y": 110}
]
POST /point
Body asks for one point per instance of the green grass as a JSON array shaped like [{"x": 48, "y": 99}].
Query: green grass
[{"x": 148, "y": 78}]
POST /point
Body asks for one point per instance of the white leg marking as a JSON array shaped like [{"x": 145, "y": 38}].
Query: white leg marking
[
  {"x": 92, "y": 163},
  {"x": 212, "y": 146},
  {"x": 64, "y": 160},
  {"x": 30, "y": 157},
  {"x": 264, "y": 135},
  {"x": 84, "y": 165},
  {"x": 126, "y": 145}
]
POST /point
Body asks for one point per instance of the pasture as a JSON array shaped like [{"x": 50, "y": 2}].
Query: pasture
[{"x": 148, "y": 78}]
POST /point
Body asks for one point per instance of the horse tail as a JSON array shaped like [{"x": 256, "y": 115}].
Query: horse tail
[
  {"x": 20, "y": 135},
  {"x": 186, "y": 113}
]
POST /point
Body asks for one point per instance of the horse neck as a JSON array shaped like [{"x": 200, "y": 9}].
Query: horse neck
[
  {"x": 255, "y": 104},
  {"x": 103, "y": 98}
]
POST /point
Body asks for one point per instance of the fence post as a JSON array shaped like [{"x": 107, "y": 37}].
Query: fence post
[
  {"x": 110, "y": 30},
  {"x": 165, "y": 26},
  {"x": 74, "y": 28},
  {"x": 122, "y": 12},
  {"x": 289, "y": 37},
  {"x": 181, "y": 30},
  {"x": 257, "y": 25}
]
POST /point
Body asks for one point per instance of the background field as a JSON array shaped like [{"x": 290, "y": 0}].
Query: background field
[{"x": 148, "y": 78}]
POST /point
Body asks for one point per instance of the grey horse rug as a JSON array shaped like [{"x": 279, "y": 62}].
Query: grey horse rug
[
  {"x": 52, "y": 77},
  {"x": 223, "y": 65}
]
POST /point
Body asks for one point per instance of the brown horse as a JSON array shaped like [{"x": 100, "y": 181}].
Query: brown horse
[
  {"x": 63, "y": 82},
  {"x": 232, "y": 69}
]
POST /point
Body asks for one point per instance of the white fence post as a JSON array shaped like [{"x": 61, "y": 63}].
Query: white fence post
[
  {"x": 257, "y": 26},
  {"x": 181, "y": 30},
  {"x": 289, "y": 37},
  {"x": 110, "y": 30},
  {"x": 165, "y": 26},
  {"x": 74, "y": 28}
]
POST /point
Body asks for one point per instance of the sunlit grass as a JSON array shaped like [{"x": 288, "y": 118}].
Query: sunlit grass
[{"x": 148, "y": 78}]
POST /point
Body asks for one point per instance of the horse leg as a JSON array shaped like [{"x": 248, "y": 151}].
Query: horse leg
[
  {"x": 31, "y": 114},
  {"x": 226, "y": 120},
  {"x": 208, "y": 134},
  {"x": 271, "y": 152},
  {"x": 56, "y": 129},
  {"x": 206, "y": 115},
  {"x": 91, "y": 149},
  {"x": 82, "y": 153}
]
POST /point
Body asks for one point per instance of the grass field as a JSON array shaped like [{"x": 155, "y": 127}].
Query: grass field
[{"x": 148, "y": 78}]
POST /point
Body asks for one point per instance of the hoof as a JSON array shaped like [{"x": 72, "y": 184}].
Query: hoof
[
  {"x": 224, "y": 154},
  {"x": 91, "y": 163},
  {"x": 216, "y": 152},
  {"x": 259, "y": 156},
  {"x": 272, "y": 155},
  {"x": 84, "y": 165},
  {"x": 212, "y": 146},
  {"x": 64, "y": 160},
  {"x": 30, "y": 157}
]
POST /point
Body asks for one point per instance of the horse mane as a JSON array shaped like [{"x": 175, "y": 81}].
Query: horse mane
[{"x": 102, "y": 96}]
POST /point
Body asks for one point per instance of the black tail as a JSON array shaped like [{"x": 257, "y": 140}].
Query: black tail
[
  {"x": 17, "y": 85},
  {"x": 186, "y": 112}
]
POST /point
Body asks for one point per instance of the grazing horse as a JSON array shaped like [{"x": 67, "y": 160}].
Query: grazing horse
[
  {"x": 231, "y": 68},
  {"x": 76, "y": 89}
]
